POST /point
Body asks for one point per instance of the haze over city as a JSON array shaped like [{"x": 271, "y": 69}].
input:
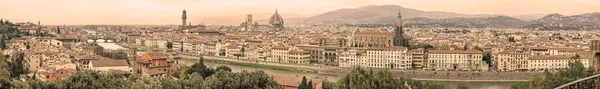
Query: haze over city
[
  {"x": 299, "y": 44},
  {"x": 77, "y": 12}
]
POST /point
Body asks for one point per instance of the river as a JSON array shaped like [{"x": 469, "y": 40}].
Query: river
[{"x": 333, "y": 78}]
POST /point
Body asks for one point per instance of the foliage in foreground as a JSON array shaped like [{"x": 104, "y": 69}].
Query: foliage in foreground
[
  {"x": 575, "y": 70},
  {"x": 222, "y": 79},
  {"x": 368, "y": 79}
]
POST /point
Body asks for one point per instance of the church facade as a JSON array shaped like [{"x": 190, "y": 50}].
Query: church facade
[{"x": 381, "y": 39}]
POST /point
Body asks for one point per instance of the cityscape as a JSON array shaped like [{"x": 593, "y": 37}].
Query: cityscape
[{"x": 295, "y": 44}]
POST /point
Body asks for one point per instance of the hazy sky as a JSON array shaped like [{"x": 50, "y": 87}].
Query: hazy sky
[{"x": 169, "y": 11}]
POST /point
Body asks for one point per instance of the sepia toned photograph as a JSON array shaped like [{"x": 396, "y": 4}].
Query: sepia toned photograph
[{"x": 300, "y": 44}]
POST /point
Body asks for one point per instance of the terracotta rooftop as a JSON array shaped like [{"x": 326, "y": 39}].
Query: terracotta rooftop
[
  {"x": 554, "y": 57},
  {"x": 108, "y": 63},
  {"x": 157, "y": 55},
  {"x": 456, "y": 51},
  {"x": 295, "y": 81}
]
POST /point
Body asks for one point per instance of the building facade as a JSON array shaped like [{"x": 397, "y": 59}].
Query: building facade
[
  {"x": 552, "y": 62},
  {"x": 456, "y": 60},
  {"x": 392, "y": 57},
  {"x": 507, "y": 61}
]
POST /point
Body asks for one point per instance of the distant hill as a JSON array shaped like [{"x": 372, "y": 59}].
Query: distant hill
[
  {"x": 587, "y": 21},
  {"x": 529, "y": 17},
  {"x": 380, "y": 14},
  {"x": 492, "y": 22}
]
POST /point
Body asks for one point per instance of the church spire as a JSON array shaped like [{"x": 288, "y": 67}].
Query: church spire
[
  {"x": 399, "y": 21},
  {"x": 275, "y": 10}
]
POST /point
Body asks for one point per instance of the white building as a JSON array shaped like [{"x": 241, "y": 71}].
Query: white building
[
  {"x": 546, "y": 62},
  {"x": 456, "y": 60},
  {"x": 507, "y": 61},
  {"x": 391, "y": 57}
]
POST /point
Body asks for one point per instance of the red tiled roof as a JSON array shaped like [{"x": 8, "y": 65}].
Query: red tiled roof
[
  {"x": 295, "y": 81},
  {"x": 157, "y": 55},
  {"x": 554, "y": 57},
  {"x": 108, "y": 63},
  {"x": 456, "y": 51}
]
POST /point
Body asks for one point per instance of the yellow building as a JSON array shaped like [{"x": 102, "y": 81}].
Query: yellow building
[
  {"x": 456, "y": 60},
  {"x": 418, "y": 57},
  {"x": 507, "y": 61},
  {"x": 298, "y": 57}
]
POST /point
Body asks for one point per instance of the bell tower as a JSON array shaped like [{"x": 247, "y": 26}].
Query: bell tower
[
  {"x": 399, "y": 34},
  {"x": 183, "y": 17}
]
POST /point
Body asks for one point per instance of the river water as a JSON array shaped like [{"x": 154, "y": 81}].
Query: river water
[{"x": 334, "y": 78}]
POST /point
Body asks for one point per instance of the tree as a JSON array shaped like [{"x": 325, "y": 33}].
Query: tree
[
  {"x": 511, "y": 39},
  {"x": 200, "y": 68},
  {"x": 58, "y": 29},
  {"x": 310, "y": 85},
  {"x": 362, "y": 79},
  {"x": 238, "y": 55},
  {"x": 3, "y": 42},
  {"x": 170, "y": 45},
  {"x": 487, "y": 57},
  {"x": 303, "y": 84},
  {"x": 359, "y": 78},
  {"x": 575, "y": 70},
  {"x": 465, "y": 47},
  {"x": 241, "y": 80},
  {"x": 223, "y": 68},
  {"x": 16, "y": 66}
]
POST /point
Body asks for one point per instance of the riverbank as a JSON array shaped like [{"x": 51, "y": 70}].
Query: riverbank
[
  {"x": 253, "y": 65},
  {"x": 448, "y": 76}
]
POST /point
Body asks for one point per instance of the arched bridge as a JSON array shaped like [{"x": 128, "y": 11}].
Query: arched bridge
[{"x": 592, "y": 82}]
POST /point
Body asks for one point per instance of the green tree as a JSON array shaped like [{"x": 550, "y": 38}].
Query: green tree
[
  {"x": 3, "y": 42},
  {"x": 310, "y": 85},
  {"x": 359, "y": 78},
  {"x": 487, "y": 57},
  {"x": 241, "y": 80},
  {"x": 362, "y": 79},
  {"x": 575, "y": 70},
  {"x": 200, "y": 68},
  {"x": 16, "y": 66},
  {"x": 238, "y": 55},
  {"x": 223, "y": 68},
  {"x": 511, "y": 39},
  {"x": 303, "y": 84},
  {"x": 170, "y": 45}
]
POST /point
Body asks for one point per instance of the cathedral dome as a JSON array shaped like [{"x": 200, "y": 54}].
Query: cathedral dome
[{"x": 276, "y": 19}]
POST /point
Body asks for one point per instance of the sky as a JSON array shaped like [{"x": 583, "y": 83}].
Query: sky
[{"x": 77, "y": 12}]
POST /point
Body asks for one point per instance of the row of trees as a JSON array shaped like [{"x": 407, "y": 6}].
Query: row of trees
[
  {"x": 368, "y": 79},
  {"x": 574, "y": 71},
  {"x": 196, "y": 77}
]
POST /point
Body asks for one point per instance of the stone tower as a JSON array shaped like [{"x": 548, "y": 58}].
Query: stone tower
[
  {"x": 594, "y": 56},
  {"x": 183, "y": 18},
  {"x": 133, "y": 60},
  {"x": 399, "y": 39}
]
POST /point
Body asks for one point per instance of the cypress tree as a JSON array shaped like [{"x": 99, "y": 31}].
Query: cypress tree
[
  {"x": 3, "y": 42},
  {"x": 310, "y": 86}
]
